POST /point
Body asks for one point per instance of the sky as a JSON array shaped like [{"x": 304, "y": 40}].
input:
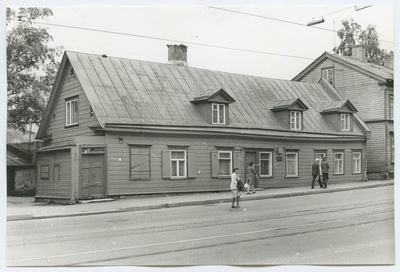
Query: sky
[
  {"x": 266, "y": 40},
  {"x": 262, "y": 38}
]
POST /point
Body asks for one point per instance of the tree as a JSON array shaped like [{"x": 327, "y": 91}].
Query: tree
[
  {"x": 351, "y": 34},
  {"x": 31, "y": 66}
]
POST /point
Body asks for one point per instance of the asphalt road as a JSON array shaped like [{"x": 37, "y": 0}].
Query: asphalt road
[{"x": 344, "y": 228}]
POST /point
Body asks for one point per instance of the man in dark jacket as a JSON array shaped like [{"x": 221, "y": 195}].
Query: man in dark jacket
[
  {"x": 325, "y": 171},
  {"x": 315, "y": 174}
]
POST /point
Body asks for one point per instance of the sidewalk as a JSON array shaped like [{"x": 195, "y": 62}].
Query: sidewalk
[{"x": 25, "y": 208}]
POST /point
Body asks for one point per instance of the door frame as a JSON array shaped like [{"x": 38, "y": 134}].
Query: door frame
[{"x": 87, "y": 150}]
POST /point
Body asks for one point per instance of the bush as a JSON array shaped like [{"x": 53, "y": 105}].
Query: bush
[{"x": 27, "y": 189}]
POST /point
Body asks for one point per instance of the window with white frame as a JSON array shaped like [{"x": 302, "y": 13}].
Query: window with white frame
[
  {"x": 345, "y": 121},
  {"x": 391, "y": 107},
  {"x": 295, "y": 120},
  {"x": 320, "y": 155},
  {"x": 71, "y": 112},
  {"x": 327, "y": 73},
  {"x": 225, "y": 163},
  {"x": 218, "y": 113},
  {"x": 356, "y": 162},
  {"x": 178, "y": 164},
  {"x": 338, "y": 162},
  {"x": 292, "y": 169},
  {"x": 265, "y": 164}
]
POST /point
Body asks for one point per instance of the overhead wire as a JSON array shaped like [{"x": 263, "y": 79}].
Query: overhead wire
[
  {"x": 285, "y": 21},
  {"x": 169, "y": 40},
  {"x": 269, "y": 18}
]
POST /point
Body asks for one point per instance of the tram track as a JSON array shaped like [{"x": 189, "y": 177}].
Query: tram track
[{"x": 216, "y": 240}]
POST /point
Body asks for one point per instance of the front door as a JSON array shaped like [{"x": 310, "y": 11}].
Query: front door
[
  {"x": 92, "y": 183},
  {"x": 251, "y": 156}
]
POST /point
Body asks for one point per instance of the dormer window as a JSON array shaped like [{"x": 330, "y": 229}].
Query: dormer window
[
  {"x": 295, "y": 120},
  {"x": 214, "y": 106},
  {"x": 340, "y": 113},
  {"x": 345, "y": 121},
  {"x": 327, "y": 73},
  {"x": 218, "y": 113},
  {"x": 291, "y": 113}
]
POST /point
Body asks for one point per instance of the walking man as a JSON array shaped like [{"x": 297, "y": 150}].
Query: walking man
[
  {"x": 325, "y": 171},
  {"x": 251, "y": 175},
  {"x": 315, "y": 174}
]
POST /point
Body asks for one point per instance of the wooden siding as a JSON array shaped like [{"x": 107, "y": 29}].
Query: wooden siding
[
  {"x": 354, "y": 86},
  {"x": 62, "y": 187},
  {"x": 61, "y": 134},
  {"x": 371, "y": 101},
  {"x": 118, "y": 162},
  {"x": 378, "y": 148}
]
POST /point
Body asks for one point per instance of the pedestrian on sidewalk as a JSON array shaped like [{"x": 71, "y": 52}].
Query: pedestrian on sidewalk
[
  {"x": 235, "y": 192},
  {"x": 316, "y": 173},
  {"x": 325, "y": 171},
  {"x": 251, "y": 175}
]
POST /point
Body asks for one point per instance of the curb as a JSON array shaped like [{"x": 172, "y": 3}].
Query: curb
[{"x": 192, "y": 203}]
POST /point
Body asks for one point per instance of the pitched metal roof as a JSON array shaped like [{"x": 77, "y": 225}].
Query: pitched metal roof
[
  {"x": 208, "y": 95},
  {"x": 133, "y": 92},
  {"x": 288, "y": 104},
  {"x": 381, "y": 73},
  {"x": 18, "y": 157},
  {"x": 336, "y": 106}
]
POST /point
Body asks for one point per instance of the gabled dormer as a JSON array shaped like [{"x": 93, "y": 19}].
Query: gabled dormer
[
  {"x": 340, "y": 114},
  {"x": 290, "y": 112},
  {"x": 214, "y": 106}
]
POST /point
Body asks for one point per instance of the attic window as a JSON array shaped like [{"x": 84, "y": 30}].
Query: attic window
[
  {"x": 71, "y": 71},
  {"x": 295, "y": 120},
  {"x": 328, "y": 74},
  {"x": 218, "y": 113},
  {"x": 71, "y": 112},
  {"x": 345, "y": 121}
]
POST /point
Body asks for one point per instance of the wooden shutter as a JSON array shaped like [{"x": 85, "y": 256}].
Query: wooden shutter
[
  {"x": 192, "y": 164},
  {"x": 214, "y": 164},
  {"x": 166, "y": 164},
  {"x": 237, "y": 161}
]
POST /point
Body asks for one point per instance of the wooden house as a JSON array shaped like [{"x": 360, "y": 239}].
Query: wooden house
[
  {"x": 20, "y": 171},
  {"x": 117, "y": 126},
  {"x": 370, "y": 88}
]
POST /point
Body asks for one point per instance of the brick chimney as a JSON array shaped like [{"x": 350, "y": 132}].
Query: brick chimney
[
  {"x": 389, "y": 60},
  {"x": 358, "y": 52},
  {"x": 177, "y": 55}
]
